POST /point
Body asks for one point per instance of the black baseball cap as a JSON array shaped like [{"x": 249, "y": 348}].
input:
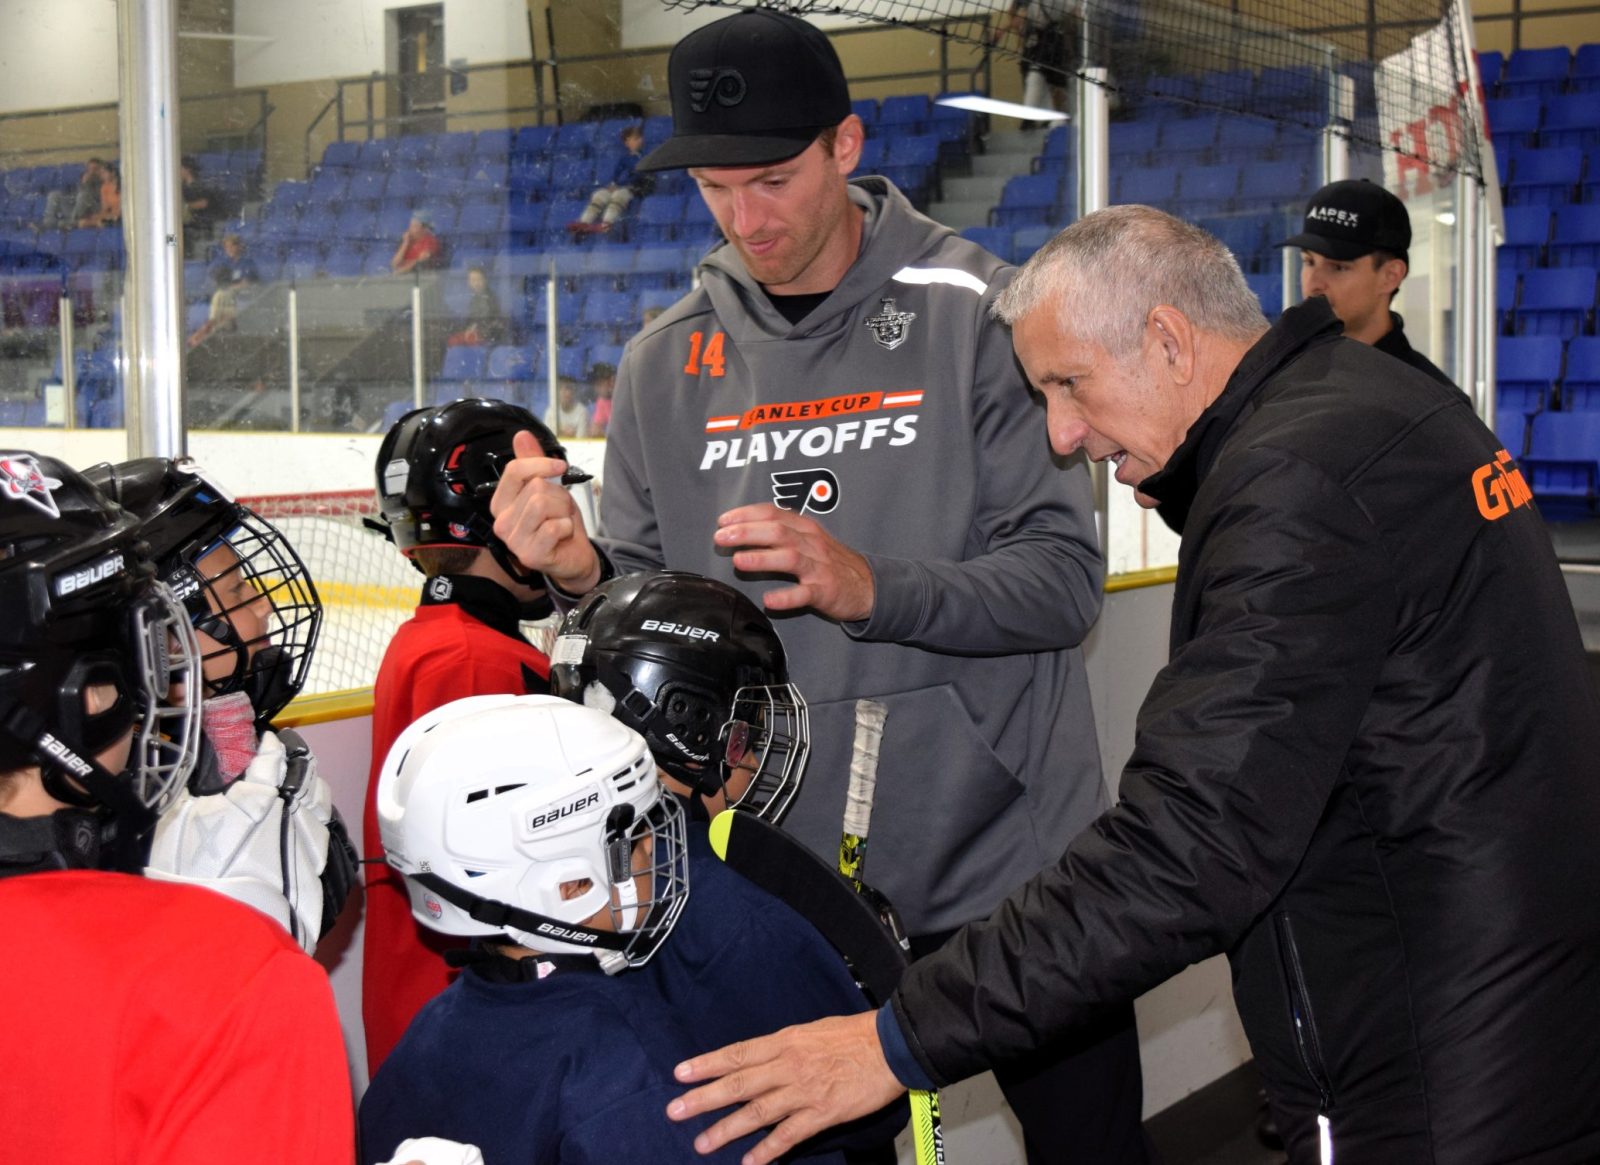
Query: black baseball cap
[
  {"x": 1355, "y": 217},
  {"x": 750, "y": 90}
]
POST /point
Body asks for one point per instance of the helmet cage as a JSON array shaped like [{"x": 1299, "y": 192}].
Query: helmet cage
[
  {"x": 277, "y": 668},
  {"x": 767, "y": 737}
]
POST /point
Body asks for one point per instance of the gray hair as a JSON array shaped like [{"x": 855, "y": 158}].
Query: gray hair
[{"x": 1106, "y": 271}]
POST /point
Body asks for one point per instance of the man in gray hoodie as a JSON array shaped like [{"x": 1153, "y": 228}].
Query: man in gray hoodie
[{"x": 835, "y": 411}]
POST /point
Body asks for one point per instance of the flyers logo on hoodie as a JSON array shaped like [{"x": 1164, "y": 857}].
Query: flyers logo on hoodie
[
  {"x": 1499, "y": 487},
  {"x": 815, "y": 428}
]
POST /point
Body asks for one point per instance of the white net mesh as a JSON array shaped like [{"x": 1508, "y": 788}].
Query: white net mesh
[{"x": 367, "y": 588}]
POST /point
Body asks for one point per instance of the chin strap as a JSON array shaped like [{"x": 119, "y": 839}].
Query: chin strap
[{"x": 503, "y": 916}]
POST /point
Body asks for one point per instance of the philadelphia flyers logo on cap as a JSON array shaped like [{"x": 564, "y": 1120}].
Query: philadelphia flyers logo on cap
[{"x": 816, "y": 490}]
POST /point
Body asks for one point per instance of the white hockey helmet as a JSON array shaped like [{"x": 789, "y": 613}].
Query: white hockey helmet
[{"x": 489, "y": 804}]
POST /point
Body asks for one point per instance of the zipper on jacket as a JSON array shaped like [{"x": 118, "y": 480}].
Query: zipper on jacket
[{"x": 1306, "y": 1040}]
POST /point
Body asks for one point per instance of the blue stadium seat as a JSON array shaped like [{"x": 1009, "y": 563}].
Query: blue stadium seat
[
  {"x": 1580, "y": 386},
  {"x": 1544, "y": 177},
  {"x": 866, "y": 108},
  {"x": 1585, "y": 77},
  {"x": 462, "y": 363},
  {"x": 1134, "y": 137},
  {"x": 873, "y": 152},
  {"x": 1188, "y": 135},
  {"x": 1535, "y": 72},
  {"x": 1573, "y": 120},
  {"x": 509, "y": 362},
  {"x": 1244, "y": 235},
  {"x": 1527, "y": 232},
  {"x": 1026, "y": 200},
  {"x": 947, "y": 123},
  {"x": 1507, "y": 287},
  {"x": 1511, "y": 426},
  {"x": 534, "y": 139},
  {"x": 1154, "y": 187},
  {"x": 1230, "y": 89},
  {"x": 355, "y": 221},
  {"x": 366, "y": 186},
  {"x": 1514, "y": 120},
  {"x": 1556, "y": 302},
  {"x": 344, "y": 155},
  {"x": 452, "y": 147},
  {"x": 1302, "y": 89},
  {"x": 481, "y": 218},
  {"x": 995, "y": 240},
  {"x": 658, "y": 218},
  {"x": 1269, "y": 290},
  {"x": 661, "y": 267},
  {"x": 345, "y": 261},
  {"x": 903, "y": 114},
  {"x": 1026, "y": 240},
  {"x": 1576, "y": 241},
  {"x": 1178, "y": 87},
  {"x": 493, "y": 143},
  {"x": 1207, "y": 189},
  {"x": 1246, "y": 140},
  {"x": 913, "y": 150},
  {"x": 1270, "y": 184},
  {"x": 609, "y": 309},
  {"x": 1562, "y": 454},
  {"x": 575, "y": 139},
  {"x": 1527, "y": 368},
  {"x": 1489, "y": 66},
  {"x": 573, "y": 177}
]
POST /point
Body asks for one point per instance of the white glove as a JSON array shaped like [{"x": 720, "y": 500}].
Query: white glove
[
  {"x": 254, "y": 841},
  {"x": 434, "y": 1151}
]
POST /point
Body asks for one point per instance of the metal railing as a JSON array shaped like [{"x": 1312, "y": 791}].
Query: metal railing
[{"x": 255, "y": 136}]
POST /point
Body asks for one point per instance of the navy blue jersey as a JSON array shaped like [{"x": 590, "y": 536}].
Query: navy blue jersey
[{"x": 574, "y": 1068}]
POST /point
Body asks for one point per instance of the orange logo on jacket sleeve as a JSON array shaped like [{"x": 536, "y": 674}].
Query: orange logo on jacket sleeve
[{"x": 1499, "y": 487}]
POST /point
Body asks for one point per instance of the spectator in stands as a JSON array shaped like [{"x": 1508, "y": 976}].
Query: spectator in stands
[
  {"x": 602, "y": 383},
  {"x": 484, "y": 323},
  {"x": 572, "y": 414},
  {"x": 608, "y": 202},
  {"x": 419, "y": 246},
  {"x": 202, "y": 205},
  {"x": 232, "y": 271},
  {"x": 464, "y": 640},
  {"x": 1047, "y": 31},
  {"x": 110, "y": 201},
  {"x": 1353, "y": 252},
  {"x": 84, "y": 208}
]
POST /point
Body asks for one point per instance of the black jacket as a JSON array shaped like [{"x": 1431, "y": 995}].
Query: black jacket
[
  {"x": 1368, "y": 774},
  {"x": 1394, "y": 343}
]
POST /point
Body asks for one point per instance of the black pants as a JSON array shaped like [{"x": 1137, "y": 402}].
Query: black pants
[{"x": 1078, "y": 1100}]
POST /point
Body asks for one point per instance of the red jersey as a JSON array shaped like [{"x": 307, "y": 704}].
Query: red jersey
[
  {"x": 463, "y": 641},
  {"x": 154, "y": 1023}
]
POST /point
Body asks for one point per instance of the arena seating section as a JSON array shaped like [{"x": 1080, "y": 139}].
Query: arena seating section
[
  {"x": 502, "y": 199},
  {"x": 1544, "y": 117}
]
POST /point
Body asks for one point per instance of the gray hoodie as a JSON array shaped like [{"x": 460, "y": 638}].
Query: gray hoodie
[{"x": 895, "y": 415}]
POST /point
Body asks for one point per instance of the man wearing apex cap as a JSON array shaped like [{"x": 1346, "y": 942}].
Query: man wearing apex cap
[
  {"x": 834, "y": 423},
  {"x": 1353, "y": 248}
]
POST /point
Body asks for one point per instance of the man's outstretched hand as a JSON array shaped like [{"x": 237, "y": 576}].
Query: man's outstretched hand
[
  {"x": 801, "y": 1080},
  {"x": 830, "y": 578}
]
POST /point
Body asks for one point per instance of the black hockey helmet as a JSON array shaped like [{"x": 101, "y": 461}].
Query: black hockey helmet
[
  {"x": 694, "y": 667},
  {"x": 83, "y": 607},
  {"x": 187, "y": 519},
  {"x": 438, "y": 467}
]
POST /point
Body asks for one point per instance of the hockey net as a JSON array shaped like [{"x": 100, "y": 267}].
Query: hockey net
[{"x": 367, "y": 588}]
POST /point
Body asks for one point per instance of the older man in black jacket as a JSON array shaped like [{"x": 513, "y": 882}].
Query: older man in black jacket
[{"x": 1370, "y": 772}]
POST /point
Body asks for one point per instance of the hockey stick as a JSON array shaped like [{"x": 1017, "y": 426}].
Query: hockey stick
[{"x": 927, "y": 1132}]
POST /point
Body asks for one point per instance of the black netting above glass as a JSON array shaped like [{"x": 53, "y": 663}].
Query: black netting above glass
[{"x": 1392, "y": 74}]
